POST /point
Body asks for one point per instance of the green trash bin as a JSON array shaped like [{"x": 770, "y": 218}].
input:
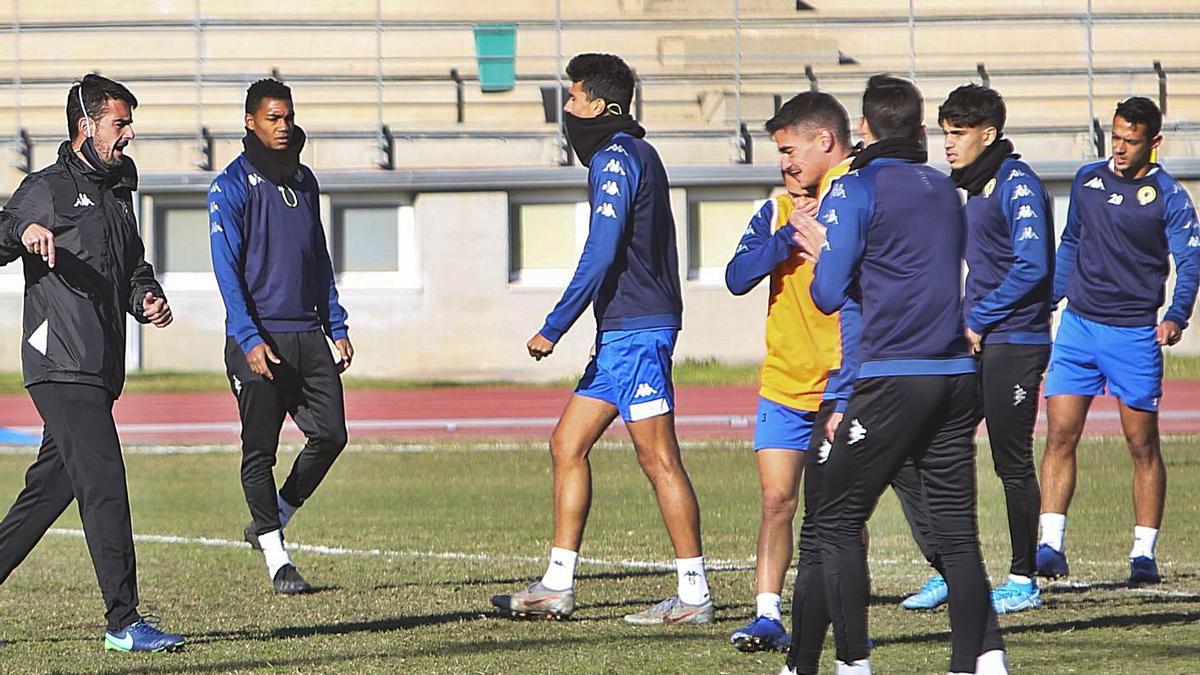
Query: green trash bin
[{"x": 496, "y": 52}]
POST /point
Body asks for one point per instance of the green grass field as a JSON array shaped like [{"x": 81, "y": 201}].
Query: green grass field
[{"x": 406, "y": 609}]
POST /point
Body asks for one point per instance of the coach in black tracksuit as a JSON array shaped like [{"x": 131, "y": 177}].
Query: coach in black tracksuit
[
  {"x": 72, "y": 226},
  {"x": 895, "y": 241}
]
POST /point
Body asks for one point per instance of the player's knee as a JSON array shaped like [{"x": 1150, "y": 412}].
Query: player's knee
[
  {"x": 778, "y": 503},
  {"x": 334, "y": 440},
  {"x": 1144, "y": 451},
  {"x": 564, "y": 451},
  {"x": 659, "y": 465}
]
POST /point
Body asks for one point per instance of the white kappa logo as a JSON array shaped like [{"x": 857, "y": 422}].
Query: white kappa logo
[
  {"x": 616, "y": 147},
  {"x": 1022, "y": 190},
  {"x": 644, "y": 390},
  {"x": 606, "y": 210},
  {"x": 1027, "y": 234},
  {"x": 614, "y": 166},
  {"x": 610, "y": 188},
  {"x": 857, "y": 431},
  {"x": 1025, "y": 212},
  {"x": 830, "y": 217},
  {"x": 214, "y": 227},
  {"x": 823, "y": 451},
  {"x": 838, "y": 191},
  {"x": 1018, "y": 394},
  {"x": 83, "y": 200},
  {"x": 1095, "y": 183}
]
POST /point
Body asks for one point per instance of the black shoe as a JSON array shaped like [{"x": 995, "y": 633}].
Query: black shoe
[
  {"x": 289, "y": 582},
  {"x": 252, "y": 539}
]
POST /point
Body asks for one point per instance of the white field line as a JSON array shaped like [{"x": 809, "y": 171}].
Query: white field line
[
  {"x": 422, "y": 555},
  {"x": 733, "y": 421}
]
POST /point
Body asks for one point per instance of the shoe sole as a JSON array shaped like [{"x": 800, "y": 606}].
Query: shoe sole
[
  {"x": 1019, "y": 608},
  {"x": 531, "y": 614},
  {"x": 691, "y": 620},
  {"x": 749, "y": 644},
  {"x": 922, "y": 608}
]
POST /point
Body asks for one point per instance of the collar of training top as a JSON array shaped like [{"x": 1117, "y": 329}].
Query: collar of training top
[
  {"x": 278, "y": 166},
  {"x": 895, "y": 148},
  {"x": 123, "y": 176},
  {"x": 975, "y": 176}
]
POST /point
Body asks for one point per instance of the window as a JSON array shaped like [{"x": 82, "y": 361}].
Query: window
[
  {"x": 376, "y": 245},
  {"x": 546, "y": 237},
  {"x": 181, "y": 238},
  {"x": 715, "y": 225}
]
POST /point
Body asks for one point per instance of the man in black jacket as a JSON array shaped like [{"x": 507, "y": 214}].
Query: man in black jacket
[{"x": 73, "y": 227}]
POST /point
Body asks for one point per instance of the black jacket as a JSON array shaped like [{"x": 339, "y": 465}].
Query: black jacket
[{"x": 74, "y": 322}]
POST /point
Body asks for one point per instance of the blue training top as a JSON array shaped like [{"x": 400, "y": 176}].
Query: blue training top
[
  {"x": 269, "y": 255},
  {"x": 629, "y": 270},
  {"x": 895, "y": 243},
  {"x": 1010, "y": 256},
  {"x": 1112, "y": 262}
]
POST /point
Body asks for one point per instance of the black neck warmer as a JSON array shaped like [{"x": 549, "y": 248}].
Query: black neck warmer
[
  {"x": 278, "y": 166},
  {"x": 898, "y": 148},
  {"x": 976, "y": 175},
  {"x": 588, "y": 134}
]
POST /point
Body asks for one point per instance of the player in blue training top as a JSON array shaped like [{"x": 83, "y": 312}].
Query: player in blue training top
[
  {"x": 1127, "y": 215},
  {"x": 1010, "y": 253},
  {"x": 895, "y": 239},
  {"x": 629, "y": 273},
  {"x": 276, "y": 280}
]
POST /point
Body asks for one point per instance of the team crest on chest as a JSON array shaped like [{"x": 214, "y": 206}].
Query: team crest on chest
[
  {"x": 1146, "y": 194},
  {"x": 987, "y": 189}
]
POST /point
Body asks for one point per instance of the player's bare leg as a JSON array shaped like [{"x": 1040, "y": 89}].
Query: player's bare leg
[
  {"x": 1067, "y": 414},
  {"x": 1149, "y": 490},
  {"x": 553, "y": 596},
  {"x": 658, "y": 454}
]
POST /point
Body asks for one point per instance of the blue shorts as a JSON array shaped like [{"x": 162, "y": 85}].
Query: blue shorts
[
  {"x": 782, "y": 427},
  {"x": 1088, "y": 355},
  {"x": 632, "y": 370}
]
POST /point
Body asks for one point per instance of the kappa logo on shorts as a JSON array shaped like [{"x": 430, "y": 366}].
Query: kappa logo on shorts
[
  {"x": 1018, "y": 395},
  {"x": 857, "y": 431},
  {"x": 644, "y": 390},
  {"x": 237, "y": 385}
]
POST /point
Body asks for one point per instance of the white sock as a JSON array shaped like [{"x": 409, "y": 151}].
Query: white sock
[
  {"x": 1144, "y": 541},
  {"x": 768, "y": 605},
  {"x": 560, "y": 571},
  {"x": 1020, "y": 579},
  {"x": 1054, "y": 528},
  {"x": 859, "y": 667},
  {"x": 991, "y": 663},
  {"x": 286, "y": 511},
  {"x": 692, "y": 587},
  {"x": 273, "y": 551}
]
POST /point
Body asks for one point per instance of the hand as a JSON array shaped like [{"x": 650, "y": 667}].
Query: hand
[
  {"x": 809, "y": 236},
  {"x": 346, "y": 350},
  {"x": 831, "y": 425},
  {"x": 1168, "y": 333},
  {"x": 539, "y": 347},
  {"x": 975, "y": 340},
  {"x": 806, "y": 204},
  {"x": 156, "y": 310},
  {"x": 260, "y": 358},
  {"x": 39, "y": 241}
]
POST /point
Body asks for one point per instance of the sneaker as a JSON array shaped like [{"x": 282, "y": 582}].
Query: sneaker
[
  {"x": 142, "y": 636},
  {"x": 760, "y": 635},
  {"x": 288, "y": 581},
  {"x": 933, "y": 594},
  {"x": 673, "y": 611},
  {"x": 1051, "y": 564},
  {"x": 1143, "y": 570},
  {"x": 1014, "y": 597},
  {"x": 537, "y": 601}
]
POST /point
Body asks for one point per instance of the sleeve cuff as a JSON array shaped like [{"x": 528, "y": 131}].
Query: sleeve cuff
[
  {"x": 1179, "y": 321},
  {"x": 841, "y": 405},
  {"x": 973, "y": 322},
  {"x": 550, "y": 333},
  {"x": 250, "y": 343},
  {"x": 339, "y": 334}
]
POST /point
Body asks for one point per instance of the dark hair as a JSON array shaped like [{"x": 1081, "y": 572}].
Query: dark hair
[
  {"x": 266, "y": 88},
  {"x": 973, "y": 106},
  {"x": 1141, "y": 110},
  {"x": 813, "y": 109},
  {"x": 97, "y": 92},
  {"x": 603, "y": 76},
  {"x": 893, "y": 107}
]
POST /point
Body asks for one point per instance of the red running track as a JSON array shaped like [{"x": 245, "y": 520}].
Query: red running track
[{"x": 520, "y": 413}]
